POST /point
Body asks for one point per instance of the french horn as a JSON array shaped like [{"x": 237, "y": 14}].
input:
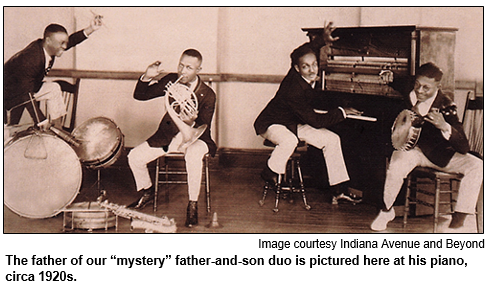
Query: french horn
[{"x": 179, "y": 100}]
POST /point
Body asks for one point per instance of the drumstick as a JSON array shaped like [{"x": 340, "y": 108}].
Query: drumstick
[
  {"x": 65, "y": 136},
  {"x": 33, "y": 106}
]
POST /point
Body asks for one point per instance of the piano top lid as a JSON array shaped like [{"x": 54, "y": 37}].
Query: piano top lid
[{"x": 388, "y": 28}]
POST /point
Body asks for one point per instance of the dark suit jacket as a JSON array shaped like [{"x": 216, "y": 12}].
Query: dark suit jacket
[
  {"x": 293, "y": 104},
  {"x": 23, "y": 73},
  {"x": 431, "y": 141},
  {"x": 167, "y": 129}
]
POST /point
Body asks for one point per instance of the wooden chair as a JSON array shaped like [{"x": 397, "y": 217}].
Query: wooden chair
[
  {"x": 166, "y": 175},
  {"x": 70, "y": 96},
  {"x": 444, "y": 186},
  {"x": 179, "y": 174},
  {"x": 292, "y": 182},
  {"x": 441, "y": 197}
]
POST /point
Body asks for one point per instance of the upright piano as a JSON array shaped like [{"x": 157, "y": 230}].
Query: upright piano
[{"x": 351, "y": 72}]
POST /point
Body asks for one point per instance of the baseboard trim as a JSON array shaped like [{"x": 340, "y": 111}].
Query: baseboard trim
[
  {"x": 242, "y": 158},
  {"x": 224, "y": 158}
]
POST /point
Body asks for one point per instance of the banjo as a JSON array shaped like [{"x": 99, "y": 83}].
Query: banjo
[{"x": 407, "y": 127}]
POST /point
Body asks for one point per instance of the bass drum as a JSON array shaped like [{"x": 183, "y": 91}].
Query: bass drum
[
  {"x": 42, "y": 174},
  {"x": 100, "y": 141}
]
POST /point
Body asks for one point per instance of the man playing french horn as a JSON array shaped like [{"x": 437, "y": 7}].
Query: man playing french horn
[{"x": 189, "y": 106}]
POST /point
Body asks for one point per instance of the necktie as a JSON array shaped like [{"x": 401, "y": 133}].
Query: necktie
[
  {"x": 50, "y": 65},
  {"x": 418, "y": 118},
  {"x": 416, "y": 108}
]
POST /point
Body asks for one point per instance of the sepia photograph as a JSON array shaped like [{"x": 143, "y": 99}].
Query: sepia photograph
[
  {"x": 349, "y": 120},
  {"x": 236, "y": 146}
]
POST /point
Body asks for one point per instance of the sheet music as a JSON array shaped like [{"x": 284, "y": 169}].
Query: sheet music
[{"x": 361, "y": 117}]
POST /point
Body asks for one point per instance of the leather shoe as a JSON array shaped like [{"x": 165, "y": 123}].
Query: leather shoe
[
  {"x": 469, "y": 226},
  {"x": 346, "y": 197},
  {"x": 269, "y": 176},
  {"x": 384, "y": 217},
  {"x": 192, "y": 214},
  {"x": 458, "y": 220},
  {"x": 146, "y": 198}
]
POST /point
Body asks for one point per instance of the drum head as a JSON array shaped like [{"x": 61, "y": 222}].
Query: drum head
[
  {"x": 42, "y": 175},
  {"x": 401, "y": 132},
  {"x": 404, "y": 135},
  {"x": 99, "y": 137}
]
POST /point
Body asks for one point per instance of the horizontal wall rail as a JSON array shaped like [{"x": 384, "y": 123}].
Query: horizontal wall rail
[
  {"x": 134, "y": 75},
  {"x": 208, "y": 77}
]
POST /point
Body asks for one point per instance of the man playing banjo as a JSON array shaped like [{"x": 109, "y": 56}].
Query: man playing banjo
[{"x": 441, "y": 144}]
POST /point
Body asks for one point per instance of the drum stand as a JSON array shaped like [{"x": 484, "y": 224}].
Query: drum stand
[
  {"x": 101, "y": 193},
  {"x": 90, "y": 215}
]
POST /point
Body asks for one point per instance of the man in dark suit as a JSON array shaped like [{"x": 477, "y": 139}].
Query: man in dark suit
[
  {"x": 167, "y": 138},
  {"x": 25, "y": 71},
  {"x": 442, "y": 144},
  {"x": 291, "y": 117}
]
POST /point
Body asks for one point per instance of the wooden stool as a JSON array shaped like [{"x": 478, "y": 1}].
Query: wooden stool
[{"x": 287, "y": 183}]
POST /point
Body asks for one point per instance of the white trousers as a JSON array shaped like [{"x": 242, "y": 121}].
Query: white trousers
[
  {"x": 143, "y": 154},
  {"x": 323, "y": 139},
  {"x": 50, "y": 92},
  {"x": 403, "y": 162}
]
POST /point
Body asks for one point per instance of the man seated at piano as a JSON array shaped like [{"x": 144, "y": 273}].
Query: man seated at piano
[
  {"x": 290, "y": 117},
  {"x": 441, "y": 144}
]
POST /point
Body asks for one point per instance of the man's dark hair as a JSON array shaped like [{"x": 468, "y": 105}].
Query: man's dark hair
[
  {"x": 53, "y": 28},
  {"x": 430, "y": 70},
  {"x": 194, "y": 53},
  {"x": 301, "y": 51}
]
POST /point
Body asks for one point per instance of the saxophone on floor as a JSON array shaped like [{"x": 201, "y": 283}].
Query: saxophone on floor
[{"x": 150, "y": 224}]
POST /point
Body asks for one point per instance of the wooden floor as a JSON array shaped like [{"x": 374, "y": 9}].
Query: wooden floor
[{"x": 235, "y": 193}]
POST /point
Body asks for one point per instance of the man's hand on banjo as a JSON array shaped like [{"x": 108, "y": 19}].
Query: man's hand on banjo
[{"x": 436, "y": 118}]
